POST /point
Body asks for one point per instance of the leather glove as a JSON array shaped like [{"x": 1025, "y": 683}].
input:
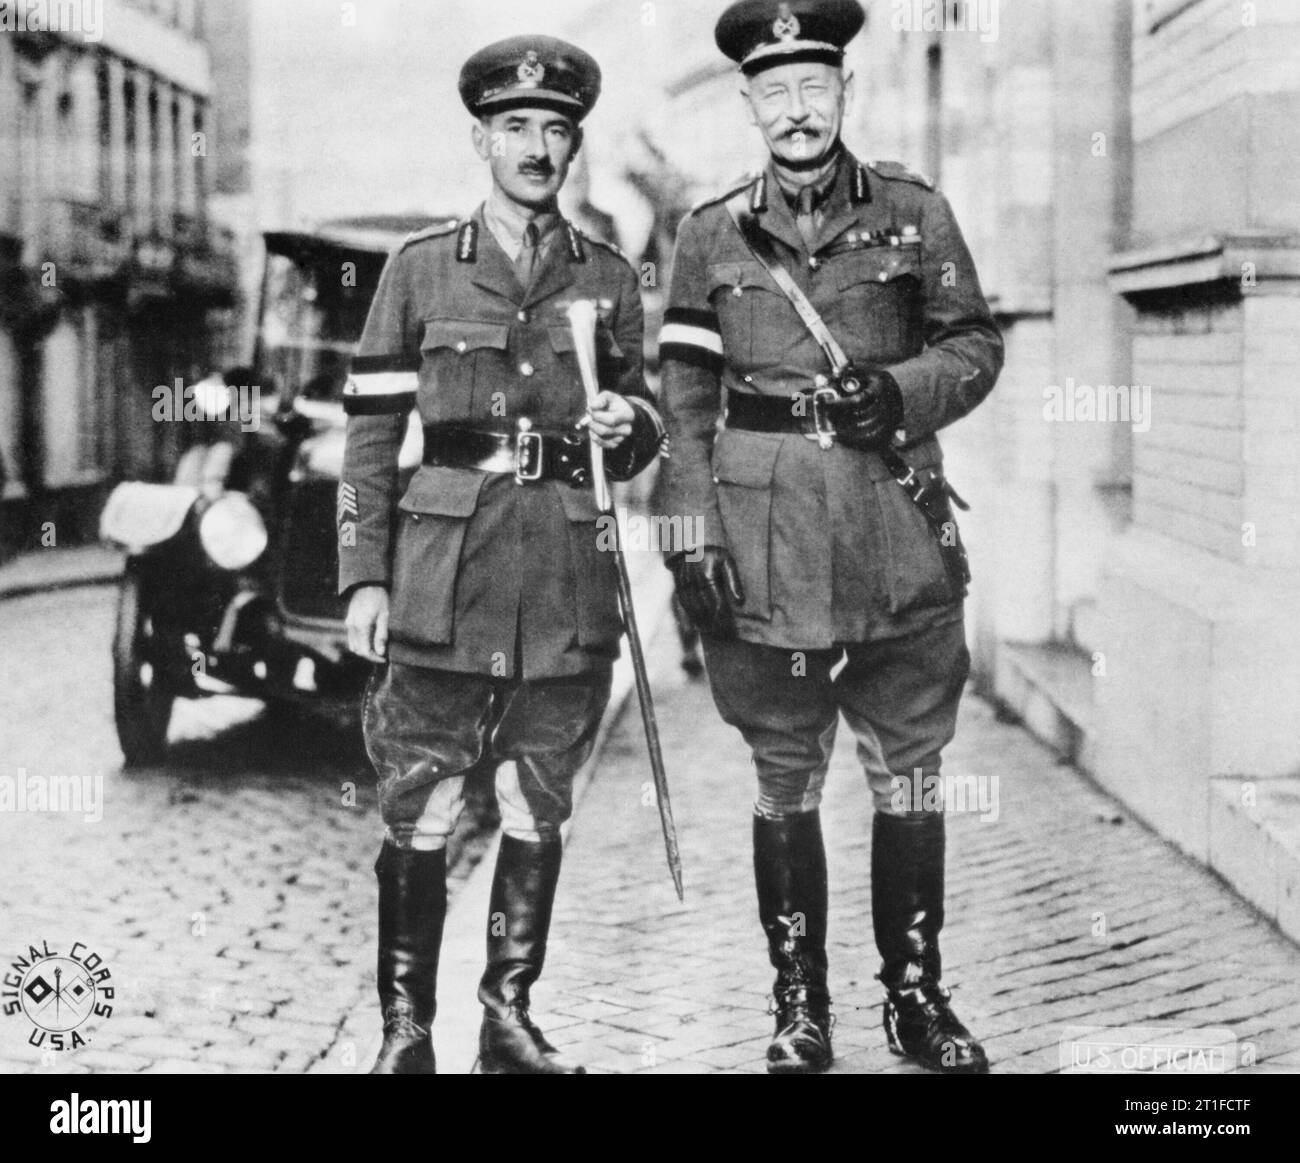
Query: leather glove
[
  {"x": 639, "y": 450},
  {"x": 708, "y": 588},
  {"x": 869, "y": 418}
]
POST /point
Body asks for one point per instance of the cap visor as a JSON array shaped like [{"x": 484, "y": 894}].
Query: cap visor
[{"x": 532, "y": 98}]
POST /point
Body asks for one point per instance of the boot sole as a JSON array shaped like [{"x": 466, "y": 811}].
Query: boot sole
[
  {"x": 974, "y": 1068},
  {"x": 492, "y": 1067},
  {"x": 787, "y": 1067}
]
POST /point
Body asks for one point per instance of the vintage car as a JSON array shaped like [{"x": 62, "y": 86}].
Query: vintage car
[{"x": 231, "y": 574}]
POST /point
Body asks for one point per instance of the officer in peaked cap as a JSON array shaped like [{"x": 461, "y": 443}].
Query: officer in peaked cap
[
  {"x": 758, "y": 33},
  {"x": 481, "y": 589},
  {"x": 829, "y": 536},
  {"x": 537, "y": 71}
]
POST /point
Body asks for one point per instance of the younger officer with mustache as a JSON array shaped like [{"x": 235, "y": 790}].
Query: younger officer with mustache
[
  {"x": 480, "y": 590},
  {"x": 829, "y": 536}
]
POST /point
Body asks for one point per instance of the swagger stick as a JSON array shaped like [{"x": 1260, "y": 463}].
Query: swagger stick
[{"x": 582, "y": 322}]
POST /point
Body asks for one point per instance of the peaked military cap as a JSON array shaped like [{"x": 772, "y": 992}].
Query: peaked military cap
[
  {"x": 763, "y": 33},
  {"x": 530, "y": 70}
]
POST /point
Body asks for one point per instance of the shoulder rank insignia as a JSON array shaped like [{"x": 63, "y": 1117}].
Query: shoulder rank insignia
[
  {"x": 435, "y": 231},
  {"x": 467, "y": 242},
  {"x": 734, "y": 188},
  {"x": 901, "y": 173}
]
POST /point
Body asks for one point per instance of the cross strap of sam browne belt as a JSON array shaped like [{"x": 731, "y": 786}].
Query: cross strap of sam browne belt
[{"x": 767, "y": 259}]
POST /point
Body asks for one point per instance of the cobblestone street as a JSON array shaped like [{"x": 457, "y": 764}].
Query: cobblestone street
[
  {"x": 1061, "y": 912},
  {"x": 231, "y": 894}
]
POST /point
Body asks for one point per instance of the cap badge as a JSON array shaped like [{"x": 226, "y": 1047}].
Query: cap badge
[
  {"x": 531, "y": 70},
  {"x": 786, "y": 25}
]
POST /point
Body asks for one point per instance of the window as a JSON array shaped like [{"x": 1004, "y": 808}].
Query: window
[
  {"x": 105, "y": 135},
  {"x": 155, "y": 158},
  {"x": 129, "y": 139},
  {"x": 92, "y": 429},
  {"x": 180, "y": 148}
]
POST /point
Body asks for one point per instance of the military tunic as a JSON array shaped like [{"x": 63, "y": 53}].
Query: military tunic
[
  {"x": 487, "y": 576},
  {"x": 828, "y": 547},
  {"x": 836, "y": 562}
]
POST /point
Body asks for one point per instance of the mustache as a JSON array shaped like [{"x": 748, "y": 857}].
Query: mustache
[
  {"x": 541, "y": 169},
  {"x": 804, "y": 131}
]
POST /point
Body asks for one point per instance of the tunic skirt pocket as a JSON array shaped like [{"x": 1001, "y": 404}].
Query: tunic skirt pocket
[
  {"x": 743, "y": 465},
  {"x": 433, "y": 516},
  {"x": 595, "y": 574}
]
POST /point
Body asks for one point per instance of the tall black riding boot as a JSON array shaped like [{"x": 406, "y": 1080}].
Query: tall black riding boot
[
  {"x": 790, "y": 874},
  {"x": 412, "y": 908},
  {"x": 907, "y": 856},
  {"x": 523, "y": 890}
]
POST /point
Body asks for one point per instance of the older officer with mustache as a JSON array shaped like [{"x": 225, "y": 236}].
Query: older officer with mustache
[{"x": 828, "y": 312}]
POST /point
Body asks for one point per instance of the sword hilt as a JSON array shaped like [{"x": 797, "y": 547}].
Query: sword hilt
[{"x": 582, "y": 323}]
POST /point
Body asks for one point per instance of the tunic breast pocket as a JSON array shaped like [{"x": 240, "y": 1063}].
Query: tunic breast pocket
[
  {"x": 568, "y": 398},
  {"x": 878, "y": 304},
  {"x": 467, "y": 358},
  {"x": 758, "y": 324}
]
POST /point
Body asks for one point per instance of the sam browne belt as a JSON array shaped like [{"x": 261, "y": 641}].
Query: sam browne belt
[
  {"x": 925, "y": 488},
  {"x": 527, "y": 454}
]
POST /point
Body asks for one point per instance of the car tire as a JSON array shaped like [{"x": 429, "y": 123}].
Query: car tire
[{"x": 142, "y": 695}]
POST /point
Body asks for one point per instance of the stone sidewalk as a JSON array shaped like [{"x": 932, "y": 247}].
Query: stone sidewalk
[
  {"x": 43, "y": 570},
  {"x": 1061, "y": 912}
]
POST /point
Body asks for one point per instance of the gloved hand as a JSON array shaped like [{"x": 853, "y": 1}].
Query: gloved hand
[
  {"x": 708, "y": 588},
  {"x": 868, "y": 418}
]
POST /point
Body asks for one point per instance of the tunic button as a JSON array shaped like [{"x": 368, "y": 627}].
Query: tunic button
[
  {"x": 525, "y": 369},
  {"x": 461, "y": 346},
  {"x": 814, "y": 263},
  {"x": 522, "y": 316},
  {"x": 737, "y": 291},
  {"x": 749, "y": 379},
  {"x": 884, "y": 275}
]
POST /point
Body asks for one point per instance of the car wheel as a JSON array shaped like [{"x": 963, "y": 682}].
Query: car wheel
[{"x": 142, "y": 694}]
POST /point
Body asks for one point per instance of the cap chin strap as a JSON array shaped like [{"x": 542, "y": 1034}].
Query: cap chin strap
[
  {"x": 800, "y": 167},
  {"x": 772, "y": 55}
]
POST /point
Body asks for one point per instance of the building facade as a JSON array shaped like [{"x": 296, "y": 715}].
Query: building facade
[
  {"x": 1128, "y": 178},
  {"x": 114, "y": 277}
]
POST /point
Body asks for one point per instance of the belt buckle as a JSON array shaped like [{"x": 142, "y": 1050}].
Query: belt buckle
[
  {"x": 917, "y": 486},
  {"x": 925, "y": 489},
  {"x": 528, "y": 456},
  {"x": 823, "y": 430}
]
